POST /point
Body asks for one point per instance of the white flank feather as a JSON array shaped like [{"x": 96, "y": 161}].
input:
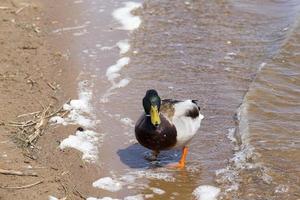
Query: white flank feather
[{"x": 186, "y": 126}]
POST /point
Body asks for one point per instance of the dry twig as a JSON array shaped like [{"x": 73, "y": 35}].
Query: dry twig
[
  {"x": 4, "y": 8},
  {"x": 26, "y": 114},
  {"x": 51, "y": 86},
  {"x": 17, "y": 173},
  {"x": 22, "y": 187},
  {"x": 77, "y": 193},
  {"x": 35, "y": 125},
  {"x": 20, "y": 9}
]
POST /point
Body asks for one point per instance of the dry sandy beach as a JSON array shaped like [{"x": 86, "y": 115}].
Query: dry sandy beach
[{"x": 33, "y": 76}]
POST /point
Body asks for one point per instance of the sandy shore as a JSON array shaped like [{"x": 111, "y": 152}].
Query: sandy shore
[{"x": 34, "y": 75}]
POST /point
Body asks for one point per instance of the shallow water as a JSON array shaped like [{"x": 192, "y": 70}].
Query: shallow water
[{"x": 239, "y": 58}]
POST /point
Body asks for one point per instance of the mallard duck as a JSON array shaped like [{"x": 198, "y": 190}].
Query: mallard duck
[{"x": 167, "y": 124}]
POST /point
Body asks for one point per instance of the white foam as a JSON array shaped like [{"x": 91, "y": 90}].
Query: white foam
[
  {"x": 206, "y": 192},
  {"x": 128, "y": 178},
  {"x": 244, "y": 156},
  {"x": 261, "y": 66},
  {"x": 83, "y": 103},
  {"x": 154, "y": 175},
  {"x": 57, "y": 120},
  {"x": 112, "y": 71},
  {"x": 107, "y": 48},
  {"x": 129, "y": 22},
  {"x": 80, "y": 109},
  {"x": 122, "y": 83},
  {"x": 124, "y": 46},
  {"x": 157, "y": 190},
  {"x": 52, "y": 198},
  {"x": 77, "y": 118},
  {"x": 136, "y": 197},
  {"x": 148, "y": 196},
  {"x": 246, "y": 150},
  {"x": 124, "y": 16},
  {"x": 84, "y": 141},
  {"x": 231, "y": 136},
  {"x": 109, "y": 184},
  {"x": 104, "y": 198}
]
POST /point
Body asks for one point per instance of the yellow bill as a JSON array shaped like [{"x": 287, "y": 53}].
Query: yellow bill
[{"x": 155, "y": 120}]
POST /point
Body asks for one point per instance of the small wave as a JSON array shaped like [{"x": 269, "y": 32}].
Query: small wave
[
  {"x": 245, "y": 157},
  {"x": 229, "y": 176}
]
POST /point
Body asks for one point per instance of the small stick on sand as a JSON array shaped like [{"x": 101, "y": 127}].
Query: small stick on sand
[
  {"x": 38, "y": 127},
  {"x": 26, "y": 114},
  {"x": 4, "y": 8},
  {"x": 31, "y": 130},
  {"x": 20, "y": 9},
  {"x": 51, "y": 86},
  {"x": 16, "y": 124},
  {"x": 77, "y": 193},
  {"x": 21, "y": 187},
  {"x": 17, "y": 173},
  {"x": 58, "y": 110}
]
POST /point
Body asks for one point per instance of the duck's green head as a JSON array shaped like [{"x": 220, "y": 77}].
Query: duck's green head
[{"x": 151, "y": 104}]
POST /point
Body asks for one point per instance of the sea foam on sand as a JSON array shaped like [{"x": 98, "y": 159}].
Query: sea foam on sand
[
  {"x": 80, "y": 110},
  {"x": 107, "y": 183},
  {"x": 124, "y": 16},
  {"x": 104, "y": 198},
  {"x": 206, "y": 192},
  {"x": 81, "y": 113},
  {"x": 84, "y": 141}
]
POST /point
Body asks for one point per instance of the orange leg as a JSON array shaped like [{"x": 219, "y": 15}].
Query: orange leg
[{"x": 181, "y": 163}]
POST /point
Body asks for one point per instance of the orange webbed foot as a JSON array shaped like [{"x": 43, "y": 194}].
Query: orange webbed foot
[
  {"x": 181, "y": 163},
  {"x": 175, "y": 165}
]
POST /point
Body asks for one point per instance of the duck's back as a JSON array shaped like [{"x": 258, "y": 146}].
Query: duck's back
[{"x": 185, "y": 116}]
